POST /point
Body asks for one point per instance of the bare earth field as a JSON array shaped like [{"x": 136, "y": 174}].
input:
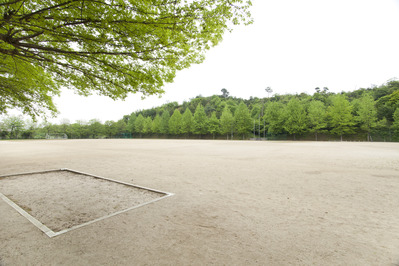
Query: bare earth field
[
  {"x": 76, "y": 199},
  {"x": 235, "y": 203}
]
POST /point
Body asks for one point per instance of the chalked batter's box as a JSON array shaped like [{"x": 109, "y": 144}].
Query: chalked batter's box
[{"x": 57, "y": 201}]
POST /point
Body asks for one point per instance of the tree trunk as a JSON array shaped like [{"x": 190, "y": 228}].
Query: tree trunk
[
  {"x": 341, "y": 137},
  {"x": 316, "y": 135}
]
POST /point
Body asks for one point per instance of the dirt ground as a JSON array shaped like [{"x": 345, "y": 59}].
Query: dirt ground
[
  {"x": 75, "y": 199},
  {"x": 235, "y": 203}
]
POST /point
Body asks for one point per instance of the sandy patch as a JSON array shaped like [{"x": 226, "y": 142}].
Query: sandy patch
[{"x": 63, "y": 199}]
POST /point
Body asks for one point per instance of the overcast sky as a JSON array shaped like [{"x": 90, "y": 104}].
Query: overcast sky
[{"x": 293, "y": 47}]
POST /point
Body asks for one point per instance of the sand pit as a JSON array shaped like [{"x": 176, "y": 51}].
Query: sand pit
[
  {"x": 235, "y": 202},
  {"x": 60, "y": 200}
]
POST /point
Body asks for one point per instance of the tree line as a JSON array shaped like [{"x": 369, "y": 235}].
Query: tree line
[{"x": 365, "y": 114}]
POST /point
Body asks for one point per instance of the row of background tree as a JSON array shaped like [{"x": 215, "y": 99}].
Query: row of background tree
[{"x": 364, "y": 114}]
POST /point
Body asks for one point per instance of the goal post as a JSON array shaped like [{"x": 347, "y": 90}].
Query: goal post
[{"x": 56, "y": 136}]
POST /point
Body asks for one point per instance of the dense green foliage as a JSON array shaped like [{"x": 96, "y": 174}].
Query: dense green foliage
[
  {"x": 295, "y": 117},
  {"x": 108, "y": 47},
  {"x": 243, "y": 121},
  {"x": 340, "y": 115},
  {"x": 364, "y": 114}
]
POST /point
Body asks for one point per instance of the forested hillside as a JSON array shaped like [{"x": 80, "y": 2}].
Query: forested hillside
[{"x": 370, "y": 114}]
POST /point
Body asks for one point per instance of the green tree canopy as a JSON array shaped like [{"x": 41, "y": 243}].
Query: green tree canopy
[
  {"x": 243, "y": 121},
  {"x": 25, "y": 87},
  {"x": 31, "y": 128},
  {"x": 14, "y": 124},
  {"x": 109, "y": 128},
  {"x": 295, "y": 117},
  {"x": 317, "y": 117},
  {"x": 227, "y": 122},
  {"x": 164, "y": 125},
  {"x": 139, "y": 124},
  {"x": 367, "y": 113},
  {"x": 274, "y": 117},
  {"x": 395, "y": 124},
  {"x": 95, "y": 127},
  {"x": 130, "y": 123},
  {"x": 78, "y": 129},
  {"x": 120, "y": 126},
  {"x": 147, "y": 125},
  {"x": 200, "y": 121},
  {"x": 110, "y": 47},
  {"x": 340, "y": 114},
  {"x": 186, "y": 122},
  {"x": 225, "y": 93},
  {"x": 214, "y": 125},
  {"x": 156, "y": 124},
  {"x": 175, "y": 123}
]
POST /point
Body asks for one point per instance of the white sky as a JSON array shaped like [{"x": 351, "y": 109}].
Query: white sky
[{"x": 293, "y": 47}]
